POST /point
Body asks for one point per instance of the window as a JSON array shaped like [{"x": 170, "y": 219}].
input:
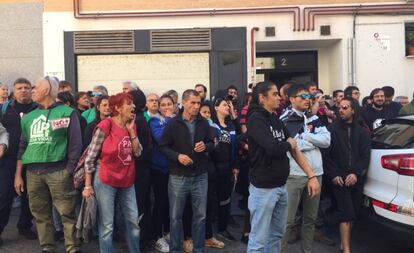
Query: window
[
  {"x": 409, "y": 39},
  {"x": 394, "y": 134}
]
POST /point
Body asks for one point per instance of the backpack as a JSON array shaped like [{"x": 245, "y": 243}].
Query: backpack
[
  {"x": 4, "y": 109},
  {"x": 79, "y": 171}
]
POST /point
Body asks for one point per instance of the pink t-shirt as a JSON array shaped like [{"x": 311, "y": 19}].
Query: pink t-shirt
[{"x": 117, "y": 156}]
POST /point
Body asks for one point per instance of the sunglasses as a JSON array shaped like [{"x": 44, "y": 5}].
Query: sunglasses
[
  {"x": 48, "y": 80},
  {"x": 344, "y": 107},
  {"x": 304, "y": 96},
  {"x": 96, "y": 94}
]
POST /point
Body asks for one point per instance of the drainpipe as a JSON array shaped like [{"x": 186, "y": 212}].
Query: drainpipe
[
  {"x": 354, "y": 50},
  {"x": 350, "y": 61},
  {"x": 253, "y": 55},
  {"x": 352, "y": 53}
]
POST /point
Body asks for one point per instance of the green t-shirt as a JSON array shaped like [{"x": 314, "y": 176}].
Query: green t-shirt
[
  {"x": 89, "y": 115},
  {"x": 46, "y": 132},
  {"x": 147, "y": 116}
]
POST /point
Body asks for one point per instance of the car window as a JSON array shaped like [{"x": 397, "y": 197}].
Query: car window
[{"x": 393, "y": 135}]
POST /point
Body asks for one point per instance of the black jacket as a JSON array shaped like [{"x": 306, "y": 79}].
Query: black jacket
[
  {"x": 11, "y": 121},
  {"x": 176, "y": 140},
  {"x": 349, "y": 151},
  {"x": 144, "y": 136},
  {"x": 267, "y": 148}
]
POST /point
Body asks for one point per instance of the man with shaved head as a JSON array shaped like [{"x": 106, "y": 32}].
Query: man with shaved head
[{"x": 50, "y": 147}]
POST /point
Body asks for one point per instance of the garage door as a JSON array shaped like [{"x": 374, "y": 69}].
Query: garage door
[{"x": 153, "y": 72}]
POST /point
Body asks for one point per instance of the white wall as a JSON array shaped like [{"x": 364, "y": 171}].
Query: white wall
[
  {"x": 153, "y": 72},
  {"x": 382, "y": 61},
  {"x": 334, "y": 58}
]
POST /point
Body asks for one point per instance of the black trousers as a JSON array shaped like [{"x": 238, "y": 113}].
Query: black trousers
[
  {"x": 211, "y": 212},
  {"x": 224, "y": 188},
  {"x": 7, "y": 194},
  {"x": 160, "y": 211},
  {"x": 349, "y": 202},
  {"x": 142, "y": 191}
]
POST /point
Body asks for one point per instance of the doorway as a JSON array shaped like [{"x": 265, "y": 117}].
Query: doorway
[{"x": 281, "y": 67}]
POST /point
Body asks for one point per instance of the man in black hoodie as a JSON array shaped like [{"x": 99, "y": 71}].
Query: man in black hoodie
[
  {"x": 186, "y": 141},
  {"x": 269, "y": 142},
  {"x": 345, "y": 163}
]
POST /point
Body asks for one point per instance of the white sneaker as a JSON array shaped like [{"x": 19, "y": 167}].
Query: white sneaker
[
  {"x": 162, "y": 246},
  {"x": 167, "y": 238}
]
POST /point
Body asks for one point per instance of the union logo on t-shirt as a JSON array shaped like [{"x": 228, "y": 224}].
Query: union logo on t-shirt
[
  {"x": 60, "y": 123},
  {"x": 125, "y": 150}
]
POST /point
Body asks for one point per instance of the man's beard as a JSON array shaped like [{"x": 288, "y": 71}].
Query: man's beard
[{"x": 378, "y": 105}]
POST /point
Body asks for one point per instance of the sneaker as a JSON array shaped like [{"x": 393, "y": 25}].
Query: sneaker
[
  {"x": 226, "y": 235},
  {"x": 188, "y": 246},
  {"x": 161, "y": 245},
  {"x": 321, "y": 237},
  {"x": 28, "y": 234},
  {"x": 167, "y": 238},
  {"x": 214, "y": 243},
  {"x": 59, "y": 236}
]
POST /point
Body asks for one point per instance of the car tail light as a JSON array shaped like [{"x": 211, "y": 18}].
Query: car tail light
[
  {"x": 390, "y": 207},
  {"x": 403, "y": 164},
  {"x": 404, "y": 210}
]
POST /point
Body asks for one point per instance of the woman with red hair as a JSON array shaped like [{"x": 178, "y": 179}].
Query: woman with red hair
[{"x": 115, "y": 139}]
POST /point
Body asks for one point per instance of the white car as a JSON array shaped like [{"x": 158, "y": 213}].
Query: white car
[{"x": 389, "y": 186}]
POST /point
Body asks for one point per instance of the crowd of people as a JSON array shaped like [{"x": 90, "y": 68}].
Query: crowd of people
[{"x": 162, "y": 174}]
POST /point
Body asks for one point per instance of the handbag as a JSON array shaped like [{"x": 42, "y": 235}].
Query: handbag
[{"x": 79, "y": 171}]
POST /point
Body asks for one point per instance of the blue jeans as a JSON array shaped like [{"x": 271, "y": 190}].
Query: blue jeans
[
  {"x": 106, "y": 197},
  {"x": 178, "y": 189},
  {"x": 268, "y": 215}
]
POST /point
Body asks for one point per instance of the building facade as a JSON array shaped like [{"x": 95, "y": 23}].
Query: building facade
[{"x": 176, "y": 44}]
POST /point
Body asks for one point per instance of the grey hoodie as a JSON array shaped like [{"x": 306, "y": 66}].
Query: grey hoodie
[{"x": 308, "y": 142}]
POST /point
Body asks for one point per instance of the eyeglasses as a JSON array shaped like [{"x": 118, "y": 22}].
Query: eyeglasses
[
  {"x": 344, "y": 107},
  {"x": 304, "y": 96},
  {"x": 355, "y": 93}
]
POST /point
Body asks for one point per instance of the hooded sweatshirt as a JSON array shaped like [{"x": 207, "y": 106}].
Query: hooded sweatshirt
[
  {"x": 349, "y": 151},
  {"x": 267, "y": 148}
]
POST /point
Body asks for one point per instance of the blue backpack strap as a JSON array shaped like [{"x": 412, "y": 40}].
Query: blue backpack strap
[{"x": 4, "y": 107}]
